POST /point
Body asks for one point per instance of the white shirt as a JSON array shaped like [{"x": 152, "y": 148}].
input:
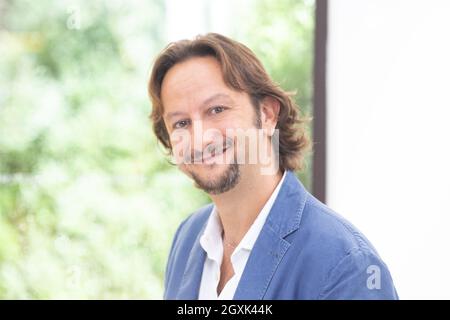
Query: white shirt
[{"x": 211, "y": 242}]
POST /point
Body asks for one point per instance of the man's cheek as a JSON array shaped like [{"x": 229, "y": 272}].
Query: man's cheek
[
  {"x": 184, "y": 168},
  {"x": 180, "y": 141}
]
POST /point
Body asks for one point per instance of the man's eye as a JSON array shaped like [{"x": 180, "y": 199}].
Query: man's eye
[
  {"x": 180, "y": 124},
  {"x": 217, "y": 109}
]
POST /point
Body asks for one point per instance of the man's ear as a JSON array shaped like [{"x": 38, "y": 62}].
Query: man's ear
[{"x": 270, "y": 108}]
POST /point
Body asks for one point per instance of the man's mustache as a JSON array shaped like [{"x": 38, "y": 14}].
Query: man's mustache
[{"x": 211, "y": 149}]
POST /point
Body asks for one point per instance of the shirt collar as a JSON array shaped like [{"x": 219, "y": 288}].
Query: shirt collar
[{"x": 211, "y": 239}]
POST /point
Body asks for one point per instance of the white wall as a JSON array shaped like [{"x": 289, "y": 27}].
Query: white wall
[
  {"x": 187, "y": 19},
  {"x": 388, "y": 130}
]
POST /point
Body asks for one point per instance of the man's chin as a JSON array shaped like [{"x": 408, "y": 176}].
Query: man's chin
[
  {"x": 214, "y": 178},
  {"x": 211, "y": 172},
  {"x": 206, "y": 169}
]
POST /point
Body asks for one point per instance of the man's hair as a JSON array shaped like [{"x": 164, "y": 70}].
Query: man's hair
[{"x": 243, "y": 72}]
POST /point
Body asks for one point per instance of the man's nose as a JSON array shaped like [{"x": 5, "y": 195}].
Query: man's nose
[{"x": 204, "y": 136}]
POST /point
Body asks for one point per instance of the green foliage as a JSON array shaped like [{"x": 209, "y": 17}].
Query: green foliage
[
  {"x": 86, "y": 196},
  {"x": 281, "y": 34},
  {"x": 88, "y": 202}
]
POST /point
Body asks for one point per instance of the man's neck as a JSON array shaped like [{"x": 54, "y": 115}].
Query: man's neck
[{"x": 239, "y": 207}]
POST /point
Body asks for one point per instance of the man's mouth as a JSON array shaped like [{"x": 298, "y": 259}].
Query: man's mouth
[{"x": 212, "y": 157}]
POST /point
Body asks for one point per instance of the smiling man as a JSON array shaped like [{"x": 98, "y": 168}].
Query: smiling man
[{"x": 240, "y": 138}]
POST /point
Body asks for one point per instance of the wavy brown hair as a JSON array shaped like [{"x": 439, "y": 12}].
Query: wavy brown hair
[{"x": 242, "y": 71}]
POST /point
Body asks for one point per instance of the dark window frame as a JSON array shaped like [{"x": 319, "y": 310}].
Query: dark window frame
[{"x": 319, "y": 101}]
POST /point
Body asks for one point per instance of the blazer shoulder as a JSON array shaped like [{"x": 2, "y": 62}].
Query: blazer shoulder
[
  {"x": 182, "y": 244},
  {"x": 332, "y": 231},
  {"x": 193, "y": 224},
  {"x": 342, "y": 259}
]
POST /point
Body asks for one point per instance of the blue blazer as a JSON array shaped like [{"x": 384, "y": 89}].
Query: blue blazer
[{"x": 304, "y": 251}]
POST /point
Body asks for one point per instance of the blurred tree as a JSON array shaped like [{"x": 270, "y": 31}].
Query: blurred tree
[
  {"x": 281, "y": 34},
  {"x": 84, "y": 190},
  {"x": 88, "y": 202}
]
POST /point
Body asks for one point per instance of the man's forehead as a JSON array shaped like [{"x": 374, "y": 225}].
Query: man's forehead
[
  {"x": 193, "y": 73},
  {"x": 193, "y": 80}
]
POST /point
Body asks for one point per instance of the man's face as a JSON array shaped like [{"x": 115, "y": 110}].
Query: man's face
[{"x": 200, "y": 111}]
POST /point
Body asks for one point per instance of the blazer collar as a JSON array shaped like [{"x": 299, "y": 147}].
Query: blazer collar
[{"x": 287, "y": 211}]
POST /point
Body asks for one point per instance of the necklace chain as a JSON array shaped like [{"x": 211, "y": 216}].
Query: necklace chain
[{"x": 228, "y": 244}]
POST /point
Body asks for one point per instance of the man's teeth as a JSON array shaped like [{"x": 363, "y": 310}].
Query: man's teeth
[{"x": 214, "y": 153}]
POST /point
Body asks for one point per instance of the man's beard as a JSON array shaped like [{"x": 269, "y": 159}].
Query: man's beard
[{"x": 227, "y": 181}]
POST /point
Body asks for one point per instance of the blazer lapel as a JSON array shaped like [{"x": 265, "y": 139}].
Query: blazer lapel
[
  {"x": 261, "y": 265},
  {"x": 190, "y": 283},
  {"x": 270, "y": 247}
]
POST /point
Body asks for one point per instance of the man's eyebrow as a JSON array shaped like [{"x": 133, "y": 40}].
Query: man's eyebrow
[
  {"x": 203, "y": 104},
  {"x": 173, "y": 114},
  {"x": 216, "y": 97}
]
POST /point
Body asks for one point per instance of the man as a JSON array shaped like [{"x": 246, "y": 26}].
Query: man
[{"x": 264, "y": 236}]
